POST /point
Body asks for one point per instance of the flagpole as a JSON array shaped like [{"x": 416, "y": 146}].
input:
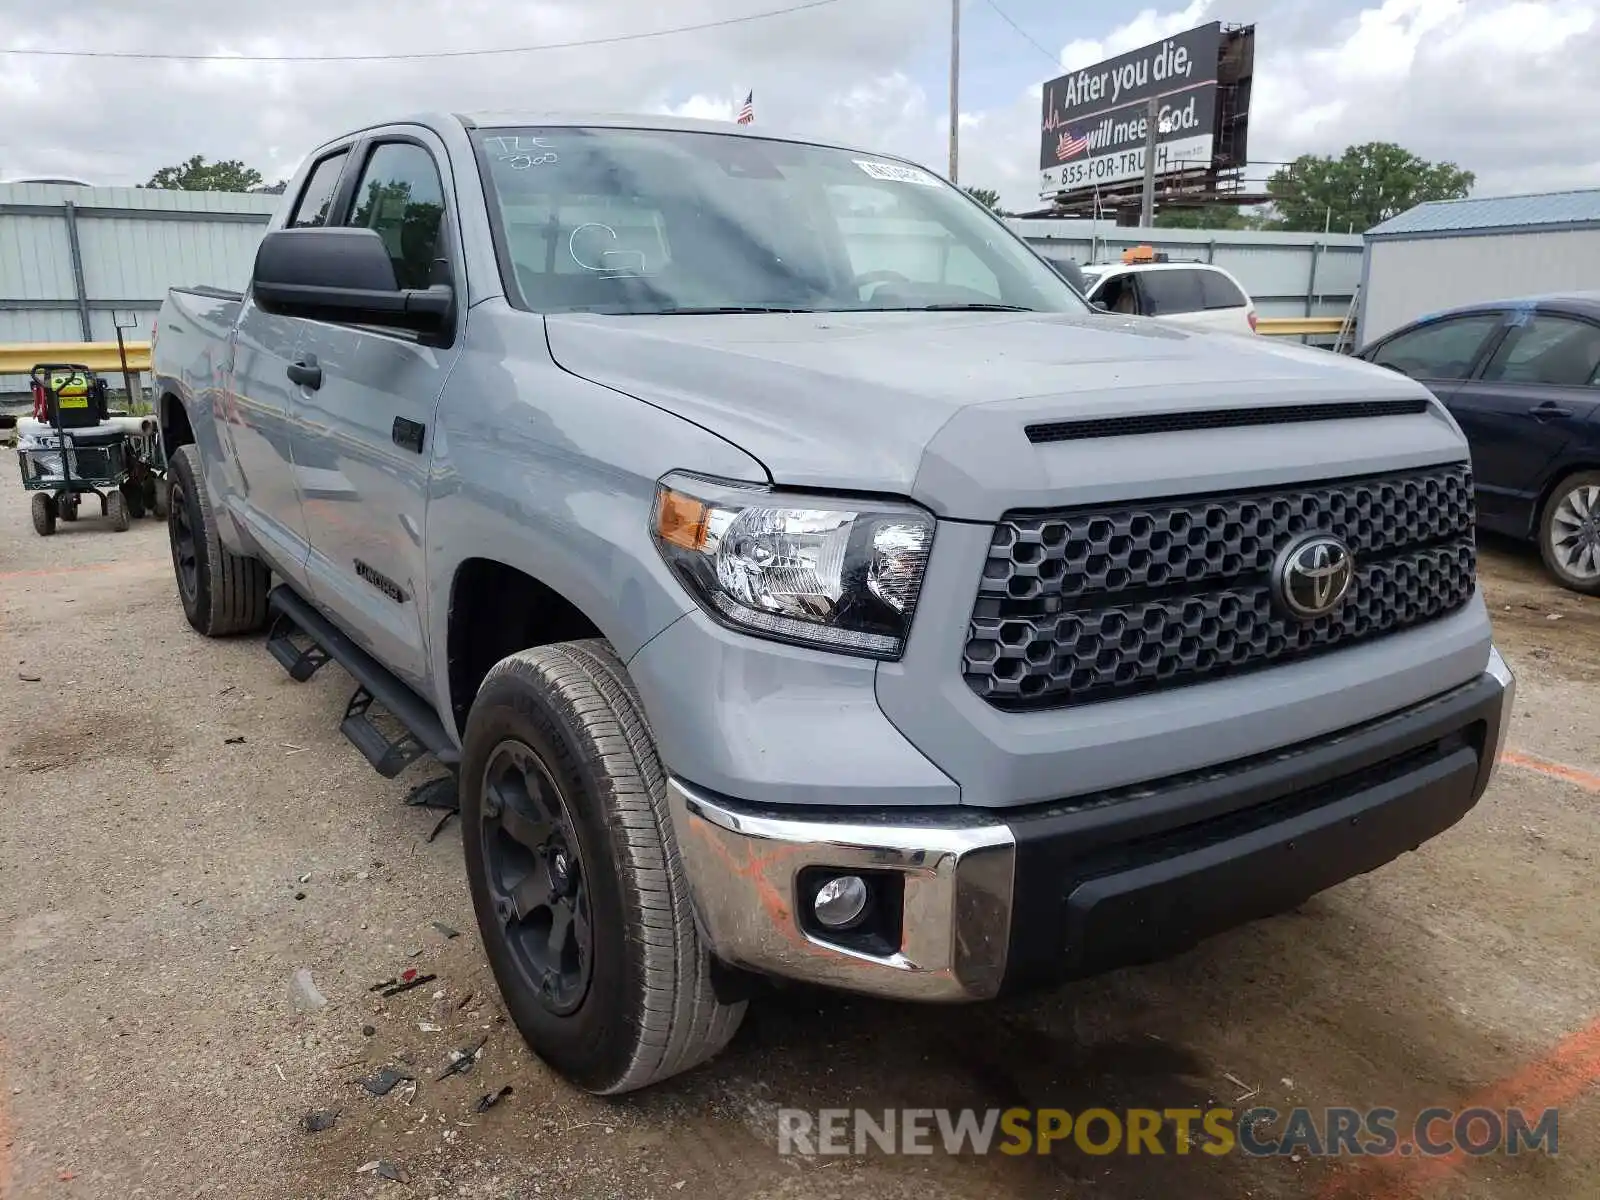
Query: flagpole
[{"x": 955, "y": 83}]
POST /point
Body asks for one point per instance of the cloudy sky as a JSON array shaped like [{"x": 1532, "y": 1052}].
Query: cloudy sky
[{"x": 1498, "y": 86}]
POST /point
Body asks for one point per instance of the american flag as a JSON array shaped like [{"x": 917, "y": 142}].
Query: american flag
[
  {"x": 1070, "y": 146},
  {"x": 747, "y": 111}
]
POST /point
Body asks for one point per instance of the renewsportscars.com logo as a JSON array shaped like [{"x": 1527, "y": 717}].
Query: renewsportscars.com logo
[{"x": 1255, "y": 1132}]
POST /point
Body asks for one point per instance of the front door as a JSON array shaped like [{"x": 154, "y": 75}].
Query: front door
[
  {"x": 1520, "y": 411},
  {"x": 364, "y": 433}
]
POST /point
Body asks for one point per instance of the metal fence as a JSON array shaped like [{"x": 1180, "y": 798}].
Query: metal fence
[
  {"x": 1286, "y": 274},
  {"x": 77, "y": 261}
]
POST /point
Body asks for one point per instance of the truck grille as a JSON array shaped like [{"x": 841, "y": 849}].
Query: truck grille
[{"x": 1088, "y": 604}]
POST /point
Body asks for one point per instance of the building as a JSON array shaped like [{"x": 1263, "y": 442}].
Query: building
[{"x": 1449, "y": 252}]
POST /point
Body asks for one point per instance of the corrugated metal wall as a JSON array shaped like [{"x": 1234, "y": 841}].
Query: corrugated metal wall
[
  {"x": 1410, "y": 277},
  {"x": 1287, "y": 274},
  {"x": 133, "y": 244}
]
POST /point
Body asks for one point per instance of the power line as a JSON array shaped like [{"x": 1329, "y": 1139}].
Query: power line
[
  {"x": 1024, "y": 34},
  {"x": 426, "y": 54}
]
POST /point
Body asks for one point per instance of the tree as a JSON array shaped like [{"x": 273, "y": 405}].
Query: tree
[
  {"x": 1209, "y": 216},
  {"x": 197, "y": 175},
  {"x": 987, "y": 197},
  {"x": 1363, "y": 186}
]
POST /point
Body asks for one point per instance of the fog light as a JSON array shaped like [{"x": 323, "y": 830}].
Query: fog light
[{"x": 840, "y": 901}]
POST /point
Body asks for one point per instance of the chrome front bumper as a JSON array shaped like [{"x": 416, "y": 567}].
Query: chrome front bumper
[
  {"x": 956, "y": 918},
  {"x": 987, "y": 895}
]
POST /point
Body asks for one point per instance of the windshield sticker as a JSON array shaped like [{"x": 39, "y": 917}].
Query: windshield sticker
[
  {"x": 896, "y": 173},
  {"x": 520, "y": 153}
]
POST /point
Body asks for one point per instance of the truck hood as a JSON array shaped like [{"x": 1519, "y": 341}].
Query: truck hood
[{"x": 933, "y": 405}]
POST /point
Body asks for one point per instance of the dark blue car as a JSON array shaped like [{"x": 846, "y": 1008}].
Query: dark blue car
[{"x": 1522, "y": 378}]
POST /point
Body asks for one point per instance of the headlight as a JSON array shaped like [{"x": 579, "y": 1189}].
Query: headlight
[{"x": 817, "y": 572}]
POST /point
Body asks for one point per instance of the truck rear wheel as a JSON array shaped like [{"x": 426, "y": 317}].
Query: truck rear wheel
[
  {"x": 222, "y": 592},
  {"x": 575, "y": 875}
]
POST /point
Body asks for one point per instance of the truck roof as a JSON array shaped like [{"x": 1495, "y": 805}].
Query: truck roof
[{"x": 507, "y": 118}]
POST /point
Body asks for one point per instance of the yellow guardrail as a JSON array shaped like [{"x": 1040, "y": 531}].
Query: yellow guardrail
[
  {"x": 18, "y": 358},
  {"x": 1296, "y": 326}
]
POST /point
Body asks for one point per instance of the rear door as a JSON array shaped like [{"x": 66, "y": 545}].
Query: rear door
[
  {"x": 1176, "y": 294},
  {"x": 255, "y": 410},
  {"x": 364, "y": 436},
  {"x": 1524, "y": 408}
]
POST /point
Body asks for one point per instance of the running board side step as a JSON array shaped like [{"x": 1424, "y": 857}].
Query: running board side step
[{"x": 422, "y": 732}]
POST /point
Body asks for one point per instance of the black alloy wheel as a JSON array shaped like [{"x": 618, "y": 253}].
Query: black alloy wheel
[
  {"x": 185, "y": 557},
  {"x": 536, "y": 876}
]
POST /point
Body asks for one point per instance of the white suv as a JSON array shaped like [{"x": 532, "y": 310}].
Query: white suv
[{"x": 1186, "y": 293}]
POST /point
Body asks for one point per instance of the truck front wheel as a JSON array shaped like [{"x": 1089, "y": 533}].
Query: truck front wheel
[
  {"x": 222, "y": 592},
  {"x": 575, "y": 875}
]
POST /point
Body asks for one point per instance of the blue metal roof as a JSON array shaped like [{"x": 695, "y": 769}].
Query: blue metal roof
[{"x": 1493, "y": 213}]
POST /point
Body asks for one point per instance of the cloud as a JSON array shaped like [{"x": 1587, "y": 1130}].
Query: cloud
[{"x": 1494, "y": 85}]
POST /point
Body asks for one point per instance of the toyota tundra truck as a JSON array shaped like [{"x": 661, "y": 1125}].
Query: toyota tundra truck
[{"x": 796, "y": 578}]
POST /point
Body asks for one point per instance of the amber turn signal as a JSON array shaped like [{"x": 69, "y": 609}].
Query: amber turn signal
[{"x": 681, "y": 519}]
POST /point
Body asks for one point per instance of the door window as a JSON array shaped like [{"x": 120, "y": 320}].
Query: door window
[
  {"x": 317, "y": 195},
  {"x": 1547, "y": 350},
  {"x": 400, "y": 197},
  {"x": 1119, "y": 295},
  {"x": 1169, "y": 292},
  {"x": 1438, "y": 350}
]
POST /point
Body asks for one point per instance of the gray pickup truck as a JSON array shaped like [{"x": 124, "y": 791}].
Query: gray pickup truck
[{"x": 798, "y": 579}]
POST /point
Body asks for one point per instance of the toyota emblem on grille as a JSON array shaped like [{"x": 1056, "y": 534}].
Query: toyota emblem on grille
[{"x": 1313, "y": 575}]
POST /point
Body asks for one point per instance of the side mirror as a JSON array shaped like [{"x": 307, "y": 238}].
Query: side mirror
[{"x": 338, "y": 274}]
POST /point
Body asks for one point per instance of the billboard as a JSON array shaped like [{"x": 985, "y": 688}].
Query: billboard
[{"x": 1094, "y": 121}]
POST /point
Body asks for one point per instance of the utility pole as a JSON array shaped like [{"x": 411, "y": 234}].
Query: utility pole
[
  {"x": 955, "y": 84},
  {"x": 1152, "y": 134}
]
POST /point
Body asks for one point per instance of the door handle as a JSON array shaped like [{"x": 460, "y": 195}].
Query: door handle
[
  {"x": 1549, "y": 411},
  {"x": 306, "y": 372}
]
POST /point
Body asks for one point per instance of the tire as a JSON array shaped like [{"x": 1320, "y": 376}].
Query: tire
[
  {"x": 117, "y": 511},
  {"x": 1570, "y": 523},
  {"x": 647, "y": 1009},
  {"x": 44, "y": 513},
  {"x": 222, "y": 593}
]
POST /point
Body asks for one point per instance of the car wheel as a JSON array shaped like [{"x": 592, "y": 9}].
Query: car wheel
[
  {"x": 1569, "y": 532},
  {"x": 222, "y": 592},
  {"x": 575, "y": 876}
]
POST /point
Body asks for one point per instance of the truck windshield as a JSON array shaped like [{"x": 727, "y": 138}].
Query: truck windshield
[{"x": 657, "y": 221}]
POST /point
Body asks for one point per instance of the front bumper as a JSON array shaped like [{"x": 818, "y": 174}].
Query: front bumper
[{"x": 967, "y": 906}]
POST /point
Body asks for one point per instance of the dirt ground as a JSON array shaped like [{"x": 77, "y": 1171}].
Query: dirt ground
[{"x": 182, "y": 828}]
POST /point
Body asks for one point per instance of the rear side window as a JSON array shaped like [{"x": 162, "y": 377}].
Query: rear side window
[
  {"x": 1440, "y": 349},
  {"x": 1219, "y": 292},
  {"x": 1547, "y": 350},
  {"x": 401, "y": 197},
  {"x": 1168, "y": 292},
  {"x": 317, "y": 195}
]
